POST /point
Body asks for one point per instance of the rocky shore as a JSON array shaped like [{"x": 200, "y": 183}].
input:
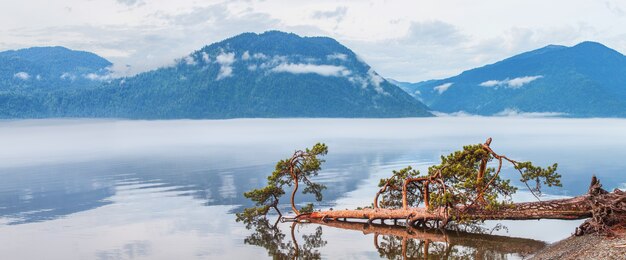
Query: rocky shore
[{"x": 586, "y": 247}]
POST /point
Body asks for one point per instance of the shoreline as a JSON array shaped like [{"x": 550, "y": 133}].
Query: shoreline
[{"x": 592, "y": 246}]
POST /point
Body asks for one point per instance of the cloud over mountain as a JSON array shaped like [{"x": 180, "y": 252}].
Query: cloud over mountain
[
  {"x": 510, "y": 83},
  {"x": 323, "y": 70}
]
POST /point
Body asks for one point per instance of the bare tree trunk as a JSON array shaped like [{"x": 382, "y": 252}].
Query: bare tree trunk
[
  {"x": 481, "y": 175},
  {"x": 426, "y": 193},
  {"x": 293, "y": 193},
  {"x": 605, "y": 208},
  {"x": 405, "y": 204},
  {"x": 383, "y": 189},
  {"x": 580, "y": 207}
]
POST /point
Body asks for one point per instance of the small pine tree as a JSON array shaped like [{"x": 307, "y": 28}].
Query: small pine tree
[{"x": 300, "y": 167}]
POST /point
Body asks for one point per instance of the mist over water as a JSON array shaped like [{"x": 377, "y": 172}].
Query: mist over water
[{"x": 117, "y": 189}]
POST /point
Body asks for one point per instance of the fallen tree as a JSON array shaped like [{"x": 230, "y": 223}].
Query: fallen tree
[{"x": 463, "y": 189}]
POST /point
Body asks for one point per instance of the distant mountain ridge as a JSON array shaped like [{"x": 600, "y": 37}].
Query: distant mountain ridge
[
  {"x": 585, "y": 80},
  {"x": 273, "y": 74},
  {"x": 277, "y": 74},
  {"x": 50, "y": 67}
]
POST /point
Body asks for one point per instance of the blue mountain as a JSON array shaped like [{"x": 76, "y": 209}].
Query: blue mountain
[
  {"x": 50, "y": 68},
  {"x": 273, "y": 74},
  {"x": 585, "y": 80}
]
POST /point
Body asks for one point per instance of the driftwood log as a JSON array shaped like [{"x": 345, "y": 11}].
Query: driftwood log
[{"x": 604, "y": 210}]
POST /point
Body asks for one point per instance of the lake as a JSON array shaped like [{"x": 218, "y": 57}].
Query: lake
[{"x": 119, "y": 189}]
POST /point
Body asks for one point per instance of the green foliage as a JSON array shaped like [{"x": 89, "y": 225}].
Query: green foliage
[
  {"x": 264, "y": 195},
  {"x": 299, "y": 168},
  {"x": 547, "y": 176},
  {"x": 264, "y": 199},
  {"x": 459, "y": 172},
  {"x": 307, "y": 209},
  {"x": 456, "y": 181},
  {"x": 391, "y": 198}
]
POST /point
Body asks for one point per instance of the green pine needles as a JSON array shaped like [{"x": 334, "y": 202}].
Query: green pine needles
[
  {"x": 292, "y": 171},
  {"x": 465, "y": 180}
]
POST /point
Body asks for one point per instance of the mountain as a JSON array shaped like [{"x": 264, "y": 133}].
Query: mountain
[
  {"x": 412, "y": 89},
  {"x": 48, "y": 68},
  {"x": 585, "y": 80},
  {"x": 273, "y": 74}
]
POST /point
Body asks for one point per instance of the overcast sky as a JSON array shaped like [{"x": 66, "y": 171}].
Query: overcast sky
[{"x": 408, "y": 40}]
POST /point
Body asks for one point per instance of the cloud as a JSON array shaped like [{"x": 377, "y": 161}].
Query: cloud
[
  {"x": 225, "y": 60},
  {"x": 21, "y": 75},
  {"x": 130, "y": 2},
  {"x": 160, "y": 37},
  {"x": 491, "y": 83},
  {"x": 371, "y": 79},
  {"x": 189, "y": 60},
  {"x": 337, "y": 56},
  {"x": 613, "y": 7},
  {"x": 427, "y": 50},
  {"x": 453, "y": 114},
  {"x": 514, "y": 112},
  {"x": 411, "y": 58},
  {"x": 246, "y": 55},
  {"x": 205, "y": 57},
  {"x": 225, "y": 72},
  {"x": 259, "y": 56},
  {"x": 439, "y": 42},
  {"x": 67, "y": 75},
  {"x": 338, "y": 14},
  {"x": 521, "y": 81},
  {"x": 97, "y": 77},
  {"x": 375, "y": 79},
  {"x": 443, "y": 87},
  {"x": 304, "y": 68},
  {"x": 433, "y": 32},
  {"x": 511, "y": 83},
  {"x": 272, "y": 62}
]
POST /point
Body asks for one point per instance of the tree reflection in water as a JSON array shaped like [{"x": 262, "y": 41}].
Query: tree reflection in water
[
  {"x": 391, "y": 242},
  {"x": 270, "y": 237}
]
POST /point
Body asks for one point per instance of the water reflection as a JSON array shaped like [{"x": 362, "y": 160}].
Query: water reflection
[
  {"x": 35, "y": 194},
  {"x": 390, "y": 241},
  {"x": 132, "y": 189},
  {"x": 39, "y": 194},
  {"x": 279, "y": 246}
]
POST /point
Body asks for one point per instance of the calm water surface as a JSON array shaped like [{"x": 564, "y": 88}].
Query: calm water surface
[{"x": 114, "y": 189}]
